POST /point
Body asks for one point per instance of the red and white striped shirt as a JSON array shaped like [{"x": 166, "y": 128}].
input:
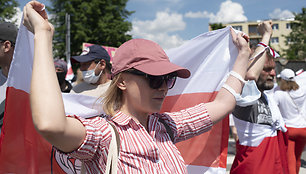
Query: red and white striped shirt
[{"x": 142, "y": 151}]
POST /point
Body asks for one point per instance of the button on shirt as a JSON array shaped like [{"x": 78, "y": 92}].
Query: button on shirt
[{"x": 141, "y": 151}]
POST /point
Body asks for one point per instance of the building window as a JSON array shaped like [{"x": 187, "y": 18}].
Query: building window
[
  {"x": 253, "y": 30},
  {"x": 289, "y": 40},
  {"x": 239, "y": 27},
  {"x": 288, "y": 26},
  {"x": 253, "y": 43},
  {"x": 275, "y": 26},
  {"x": 274, "y": 40}
]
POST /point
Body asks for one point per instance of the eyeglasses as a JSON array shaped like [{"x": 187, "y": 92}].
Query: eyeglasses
[{"x": 156, "y": 82}]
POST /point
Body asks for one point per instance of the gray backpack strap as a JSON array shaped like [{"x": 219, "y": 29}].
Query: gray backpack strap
[
  {"x": 113, "y": 152},
  {"x": 168, "y": 129}
]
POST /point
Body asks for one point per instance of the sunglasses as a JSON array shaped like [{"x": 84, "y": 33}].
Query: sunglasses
[{"x": 156, "y": 82}]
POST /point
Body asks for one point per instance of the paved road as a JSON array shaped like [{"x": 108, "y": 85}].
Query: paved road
[{"x": 231, "y": 155}]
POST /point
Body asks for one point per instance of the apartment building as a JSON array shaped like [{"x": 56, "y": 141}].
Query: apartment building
[{"x": 281, "y": 28}]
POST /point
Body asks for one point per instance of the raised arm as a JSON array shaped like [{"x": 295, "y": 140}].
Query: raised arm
[
  {"x": 225, "y": 102},
  {"x": 46, "y": 100},
  {"x": 256, "y": 65}
]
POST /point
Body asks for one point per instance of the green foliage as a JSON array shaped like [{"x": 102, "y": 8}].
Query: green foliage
[
  {"x": 296, "y": 39},
  {"x": 216, "y": 26},
  {"x": 102, "y": 22},
  {"x": 8, "y": 9}
]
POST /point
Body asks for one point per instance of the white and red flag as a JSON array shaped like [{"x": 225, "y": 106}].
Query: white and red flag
[
  {"x": 70, "y": 74},
  {"x": 209, "y": 57},
  {"x": 22, "y": 149}
]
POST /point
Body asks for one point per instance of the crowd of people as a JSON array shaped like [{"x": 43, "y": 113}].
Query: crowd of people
[{"x": 270, "y": 122}]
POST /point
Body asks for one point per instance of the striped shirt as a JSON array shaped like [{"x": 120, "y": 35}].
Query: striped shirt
[{"x": 142, "y": 151}]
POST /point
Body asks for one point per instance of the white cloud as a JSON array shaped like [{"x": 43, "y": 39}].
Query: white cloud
[
  {"x": 199, "y": 14},
  {"x": 159, "y": 29},
  {"x": 279, "y": 14},
  {"x": 17, "y": 17},
  {"x": 229, "y": 12}
]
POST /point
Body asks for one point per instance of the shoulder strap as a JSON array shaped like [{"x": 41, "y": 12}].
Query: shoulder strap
[
  {"x": 113, "y": 152},
  {"x": 168, "y": 129}
]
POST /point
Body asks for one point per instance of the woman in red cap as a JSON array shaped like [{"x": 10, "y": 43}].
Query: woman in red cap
[{"x": 142, "y": 75}]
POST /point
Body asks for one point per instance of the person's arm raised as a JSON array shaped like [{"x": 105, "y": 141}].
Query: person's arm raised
[
  {"x": 256, "y": 65},
  {"x": 225, "y": 102},
  {"x": 46, "y": 101}
]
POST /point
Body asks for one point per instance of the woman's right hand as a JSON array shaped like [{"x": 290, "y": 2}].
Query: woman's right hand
[{"x": 35, "y": 17}]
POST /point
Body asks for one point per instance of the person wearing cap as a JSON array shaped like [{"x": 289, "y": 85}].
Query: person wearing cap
[
  {"x": 141, "y": 77},
  {"x": 95, "y": 67},
  {"x": 61, "y": 72},
  {"x": 8, "y": 34},
  {"x": 262, "y": 139},
  {"x": 291, "y": 100}
]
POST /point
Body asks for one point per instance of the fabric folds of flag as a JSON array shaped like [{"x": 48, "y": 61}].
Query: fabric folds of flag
[
  {"x": 209, "y": 57},
  {"x": 22, "y": 149}
]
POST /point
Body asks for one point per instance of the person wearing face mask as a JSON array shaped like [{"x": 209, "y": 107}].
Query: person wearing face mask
[
  {"x": 262, "y": 135},
  {"x": 95, "y": 67},
  {"x": 61, "y": 71}
]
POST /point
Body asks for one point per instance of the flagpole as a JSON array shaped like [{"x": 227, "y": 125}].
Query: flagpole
[
  {"x": 70, "y": 74},
  {"x": 67, "y": 17}
]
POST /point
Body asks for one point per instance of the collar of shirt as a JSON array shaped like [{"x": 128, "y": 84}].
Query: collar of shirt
[{"x": 123, "y": 119}]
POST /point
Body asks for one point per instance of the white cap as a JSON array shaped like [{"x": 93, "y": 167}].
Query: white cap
[{"x": 287, "y": 74}]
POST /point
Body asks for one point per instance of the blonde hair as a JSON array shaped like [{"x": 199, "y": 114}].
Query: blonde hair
[
  {"x": 112, "y": 98},
  {"x": 288, "y": 85}
]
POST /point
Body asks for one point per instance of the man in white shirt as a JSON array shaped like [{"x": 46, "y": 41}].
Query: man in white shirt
[
  {"x": 8, "y": 34},
  {"x": 95, "y": 67}
]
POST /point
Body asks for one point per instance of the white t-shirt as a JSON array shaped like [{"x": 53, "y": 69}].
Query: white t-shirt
[
  {"x": 90, "y": 90},
  {"x": 293, "y": 108}
]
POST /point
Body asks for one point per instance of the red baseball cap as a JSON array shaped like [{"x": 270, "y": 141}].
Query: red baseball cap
[{"x": 145, "y": 56}]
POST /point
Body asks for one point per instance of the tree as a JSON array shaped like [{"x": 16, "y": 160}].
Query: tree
[
  {"x": 296, "y": 39},
  {"x": 102, "y": 22},
  {"x": 7, "y": 9},
  {"x": 216, "y": 26}
]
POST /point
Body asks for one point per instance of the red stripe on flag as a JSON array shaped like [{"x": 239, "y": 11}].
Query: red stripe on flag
[
  {"x": 208, "y": 149},
  {"x": 70, "y": 71},
  {"x": 269, "y": 157},
  {"x": 23, "y": 150}
]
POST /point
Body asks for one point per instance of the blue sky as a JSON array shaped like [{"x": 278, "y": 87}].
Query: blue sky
[{"x": 172, "y": 22}]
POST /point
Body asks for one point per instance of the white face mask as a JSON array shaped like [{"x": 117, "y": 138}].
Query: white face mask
[
  {"x": 90, "y": 76},
  {"x": 250, "y": 94}
]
